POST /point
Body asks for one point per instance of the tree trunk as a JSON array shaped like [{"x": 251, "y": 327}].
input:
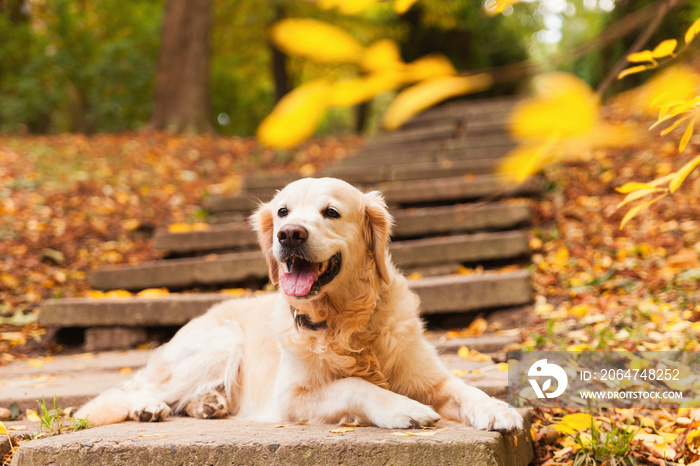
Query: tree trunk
[
  {"x": 182, "y": 101},
  {"x": 279, "y": 63}
]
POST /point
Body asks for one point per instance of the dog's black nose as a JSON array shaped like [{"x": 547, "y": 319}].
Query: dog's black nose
[{"x": 292, "y": 235}]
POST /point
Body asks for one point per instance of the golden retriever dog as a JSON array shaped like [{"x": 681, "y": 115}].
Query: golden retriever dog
[{"x": 341, "y": 341}]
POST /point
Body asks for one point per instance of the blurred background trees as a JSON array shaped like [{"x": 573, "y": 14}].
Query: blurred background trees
[{"x": 109, "y": 66}]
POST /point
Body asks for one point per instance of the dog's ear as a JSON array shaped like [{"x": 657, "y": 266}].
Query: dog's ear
[
  {"x": 262, "y": 223},
  {"x": 378, "y": 225}
]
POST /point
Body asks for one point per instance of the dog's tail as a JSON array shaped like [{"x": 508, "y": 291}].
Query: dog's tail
[{"x": 109, "y": 407}]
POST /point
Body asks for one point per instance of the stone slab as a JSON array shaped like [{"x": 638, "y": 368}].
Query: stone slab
[
  {"x": 439, "y": 130},
  {"x": 409, "y": 223},
  {"x": 372, "y": 174},
  {"x": 189, "y": 272},
  {"x": 218, "y": 269},
  {"x": 184, "y": 440},
  {"x": 414, "y": 192},
  {"x": 454, "y": 150},
  {"x": 459, "y": 293},
  {"x": 229, "y": 236},
  {"x": 490, "y": 144}
]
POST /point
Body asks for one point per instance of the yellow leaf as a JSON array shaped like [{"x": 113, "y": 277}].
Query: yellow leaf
[
  {"x": 327, "y": 4},
  {"x": 526, "y": 160},
  {"x": 632, "y": 186},
  {"x": 353, "y": 91},
  {"x": 459, "y": 372},
  {"x": 502, "y": 366},
  {"x": 579, "y": 310},
  {"x": 153, "y": 293},
  {"x": 665, "y": 48},
  {"x": 494, "y": 7},
  {"x": 564, "y": 105},
  {"x": 685, "y": 139},
  {"x": 476, "y": 327},
  {"x": 179, "y": 228},
  {"x": 675, "y": 125},
  {"x": 402, "y": 6},
  {"x": 95, "y": 294},
  {"x": 432, "y": 66},
  {"x": 683, "y": 173},
  {"x": 634, "y": 70},
  {"x": 316, "y": 40},
  {"x": 423, "y": 95},
  {"x": 32, "y": 416},
  {"x": 573, "y": 423},
  {"x": 692, "y": 31},
  {"x": 342, "y": 430},
  {"x": 381, "y": 55},
  {"x": 118, "y": 294},
  {"x": 296, "y": 116},
  {"x": 636, "y": 209},
  {"x": 352, "y": 7},
  {"x": 126, "y": 370},
  {"x": 3, "y": 430},
  {"x": 637, "y": 57},
  {"x": 633, "y": 196}
]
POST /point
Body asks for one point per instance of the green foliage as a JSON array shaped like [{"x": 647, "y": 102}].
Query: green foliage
[
  {"x": 53, "y": 420},
  {"x": 606, "y": 447},
  {"x": 79, "y": 66}
]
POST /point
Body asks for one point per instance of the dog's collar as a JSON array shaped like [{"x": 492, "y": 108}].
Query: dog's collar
[{"x": 304, "y": 322}]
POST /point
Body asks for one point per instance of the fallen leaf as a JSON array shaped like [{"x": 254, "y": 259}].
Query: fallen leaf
[{"x": 342, "y": 430}]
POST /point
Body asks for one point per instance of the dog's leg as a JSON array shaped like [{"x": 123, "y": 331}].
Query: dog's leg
[
  {"x": 359, "y": 399},
  {"x": 424, "y": 378},
  {"x": 470, "y": 405}
]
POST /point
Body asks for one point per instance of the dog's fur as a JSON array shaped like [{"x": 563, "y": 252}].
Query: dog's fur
[{"x": 367, "y": 363}]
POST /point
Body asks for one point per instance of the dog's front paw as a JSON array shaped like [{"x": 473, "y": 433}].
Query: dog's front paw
[
  {"x": 405, "y": 413},
  {"x": 492, "y": 414},
  {"x": 150, "y": 411}
]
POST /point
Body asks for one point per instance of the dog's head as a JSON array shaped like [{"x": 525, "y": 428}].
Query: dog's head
[{"x": 317, "y": 234}]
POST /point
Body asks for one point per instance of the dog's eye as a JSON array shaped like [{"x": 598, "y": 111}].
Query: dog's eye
[
  {"x": 330, "y": 212},
  {"x": 282, "y": 212}
]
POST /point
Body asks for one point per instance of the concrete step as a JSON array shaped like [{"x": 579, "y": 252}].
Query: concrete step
[
  {"x": 432, "y": 151},
  {"x": 440, "y": 130},
  {"x": 468, "y": 110},
  {"x": 183, "y": 440},
  {"x": 216, "y": 269},
  {"x": 75, "y": 379},
  {"x": 453, "y": 189},
  {"x": 446, "y": 294},
  {"x": 363, "y": 175},
  {"x": 409, "y": 223}
]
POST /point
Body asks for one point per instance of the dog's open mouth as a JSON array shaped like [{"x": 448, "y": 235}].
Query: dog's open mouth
[{"x": 301, "y": 277}]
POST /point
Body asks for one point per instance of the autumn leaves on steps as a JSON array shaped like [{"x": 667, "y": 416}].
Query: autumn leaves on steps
[{"x": 460, "y": 256}]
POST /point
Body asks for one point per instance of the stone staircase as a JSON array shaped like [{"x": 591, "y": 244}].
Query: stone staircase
[
  {"x": 434, "y": 174},
  {"x": 460, "y": 235}
]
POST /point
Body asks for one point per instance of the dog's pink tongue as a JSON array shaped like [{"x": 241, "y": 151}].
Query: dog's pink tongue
[{"x": 300, "y": 279}]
